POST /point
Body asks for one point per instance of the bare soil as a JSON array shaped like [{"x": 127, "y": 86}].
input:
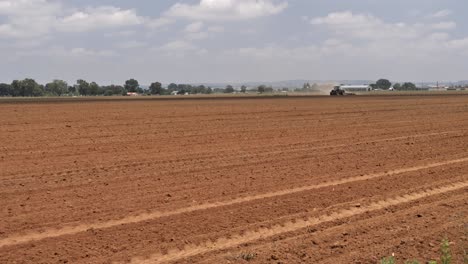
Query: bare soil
[{"x": 276, "y": 180}]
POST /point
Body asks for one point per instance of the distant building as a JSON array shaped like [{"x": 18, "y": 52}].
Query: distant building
[
  {"x": 438, "y": 87},
  {"x": 356, "y": 88},
  {"x": 132, "y": 94}
]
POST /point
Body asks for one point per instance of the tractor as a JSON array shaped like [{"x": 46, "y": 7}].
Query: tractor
[{"x": 337, "y": 91}]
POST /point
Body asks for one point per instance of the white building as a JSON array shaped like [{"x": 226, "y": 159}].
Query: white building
[{"x": 356, "y": 88}]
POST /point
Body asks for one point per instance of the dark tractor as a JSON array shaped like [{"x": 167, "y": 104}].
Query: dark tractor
[{"x": 337, "y": 91}]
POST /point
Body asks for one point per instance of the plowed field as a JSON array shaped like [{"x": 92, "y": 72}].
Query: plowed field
[{"x": 287, "y": 180}]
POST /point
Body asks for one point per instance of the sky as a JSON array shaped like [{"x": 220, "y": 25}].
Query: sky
[{"x": 204, "y": 41}]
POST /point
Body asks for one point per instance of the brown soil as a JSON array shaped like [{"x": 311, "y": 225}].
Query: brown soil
[{"x": 298, "y": 180}]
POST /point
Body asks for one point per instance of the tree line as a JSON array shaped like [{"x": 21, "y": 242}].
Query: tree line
[
  {"x": 30, "y": 88},
  {"x": 156, "y": 88},
  {"x": 385, "y": 84}
]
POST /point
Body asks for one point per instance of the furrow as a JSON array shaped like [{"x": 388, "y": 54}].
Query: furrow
[
  {"x": 70, "y": 230},
  {"x": 264, "y": 233}
]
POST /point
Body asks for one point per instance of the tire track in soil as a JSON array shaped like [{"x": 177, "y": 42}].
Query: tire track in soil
[
  {"x": 295, "y": 225},
  {"x": 361, "y": 230},
  {"x": 70, "y": 230}
]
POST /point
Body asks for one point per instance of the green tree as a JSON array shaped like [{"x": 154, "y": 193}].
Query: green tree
[
  {"x": 182, "y": 92},
  {"x": 261, "y": 88},
  {"x": 383, "y": 84},
  {"x": 269, "y": 89},
  {"x": 397, "y": 86},
  {"x": 172, "y": 87},
  {"x": 182, "y": 88},
  {"x": 57, "y": 87},
  {"x": 201, "y": 89},
  {"x": 32, "y": 88},
  {"x": 5, "y": 89},
  {"x": 38, "y": 90},
  {"x": 27, "y": 87},
  {"x": 156, "y": 88},
  {"x": 108, "y": 92},
  {"x": 71, "y": 89},
  {"x": 112, "y": 90},
  {"x": 82, "y": 87},
  {"x": 408, "y": 86},
  {"x": 132, "y": 85},
  {"x": 94, "y": 88},
  {"x": 16, "y": 88},
  {"x": 243, "y": 89},
  {"x": 140, "y": 90},
  {"x": 229, "y": 89}
]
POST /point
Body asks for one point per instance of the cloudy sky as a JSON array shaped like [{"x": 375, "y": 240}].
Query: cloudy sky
[{"x": 109, "y": 41}]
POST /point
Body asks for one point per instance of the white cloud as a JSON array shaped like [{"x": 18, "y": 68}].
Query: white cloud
[
  {"x": 369, "y": 39},
  {"x": 120, "y": 34},
  {"x": 178, "y": 45},
  {"x": 444, "y": 25},
  {"x": 7, "y": 30},
  {"x": 27, "y": 18},
  {"x": 33, "y": 18},
  {"x": 89, "y": 52},
  {"x": 216, "y": 29},
  {"x": 367, "y": 26},
  {"x": 439, "y": 36},
  {"x": 98, "y": 18},
  {"x": 194, "y": 27},
  {"x": 335, "y": 43},
  {"x": 441, "y": 13},
  {"x": 194, "y": 31},
  {"x": 131, "y": 44},
  {"x": 29, "y": 7},
  {"x": 458, "y": 44},
  {"x": 197, "y": 31},
  {"x": 159, "y": 22},
  {"x": 226, "y": 9},
  {"x": 61, "y": 52},
  {"x": 372, "y": 28},
  {"x": 198, "y": 35},
  {"x": 273, "y": 52},
  {"x": 25, "y": 29},
  {"x": 179, "y": 49}
]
